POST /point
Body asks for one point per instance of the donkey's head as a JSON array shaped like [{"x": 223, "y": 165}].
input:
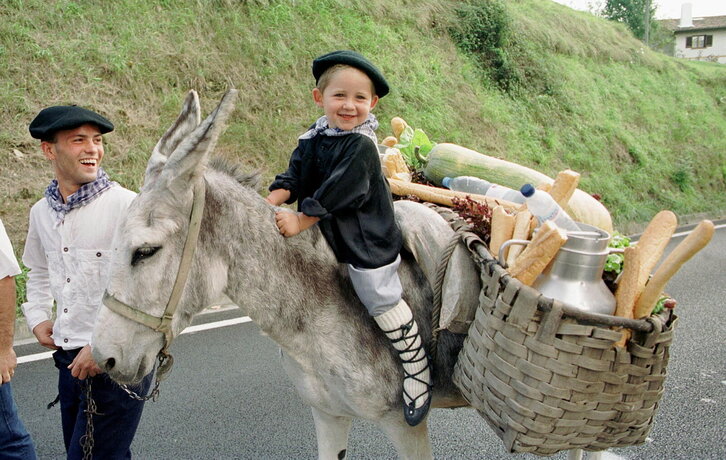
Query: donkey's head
[{"x": 149, "y": 245}]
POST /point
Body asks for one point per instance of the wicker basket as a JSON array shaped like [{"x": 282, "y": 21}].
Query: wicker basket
[{"x": 547, "y": 378}]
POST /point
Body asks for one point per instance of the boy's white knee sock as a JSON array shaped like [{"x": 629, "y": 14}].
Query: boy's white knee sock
[{"x": 407, "y": 342}]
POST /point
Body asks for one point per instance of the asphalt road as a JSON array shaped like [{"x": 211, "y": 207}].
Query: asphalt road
[{"x": 227, "y": 396}]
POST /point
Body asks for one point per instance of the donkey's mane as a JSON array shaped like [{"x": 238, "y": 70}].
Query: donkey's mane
[{"x": 235, "y": 170}]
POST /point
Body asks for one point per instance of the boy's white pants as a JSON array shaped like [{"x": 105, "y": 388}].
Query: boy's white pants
[{"x": 378, "y": 288}]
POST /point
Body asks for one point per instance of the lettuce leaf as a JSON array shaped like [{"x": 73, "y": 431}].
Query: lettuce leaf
[
  {"x": 409, "y": 140},
  {"x": 614, "y": 262}
]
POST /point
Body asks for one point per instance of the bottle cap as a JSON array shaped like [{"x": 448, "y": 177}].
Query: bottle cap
[
  {"x": 527, "y": 190},
  {"x": 446, "y": 181}
]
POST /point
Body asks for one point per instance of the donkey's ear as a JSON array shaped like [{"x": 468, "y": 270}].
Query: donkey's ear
[
  {"x": 190, "y": 157},
  {"x": 189, "y": 118}
]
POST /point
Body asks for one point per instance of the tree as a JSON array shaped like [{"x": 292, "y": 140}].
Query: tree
[{"x": 633, "y": 14}]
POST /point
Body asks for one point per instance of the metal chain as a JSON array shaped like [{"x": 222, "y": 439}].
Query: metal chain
[
  {"x": 164, "y": 366},
  {"x": 91, "y": 410},
  {"x": 151, "y": 396}
]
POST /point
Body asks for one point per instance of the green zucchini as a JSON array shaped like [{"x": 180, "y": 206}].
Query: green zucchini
[{"x": 454, "y": 160}]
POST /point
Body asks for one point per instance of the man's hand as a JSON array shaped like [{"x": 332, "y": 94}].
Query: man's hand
[
  {"x": 43, "y": 332},
  {"x": 288, "y": 223},
  {"x": 8, "y": 361},
  {"x": 84, "y": 365}
]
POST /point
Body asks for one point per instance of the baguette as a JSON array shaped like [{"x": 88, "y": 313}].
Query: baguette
[
  {"x": 522, "y": 231},
  {"x": 423, "y": 192},
  {"x": 389, "y": 141},
  {"x": 543, "y": 248},
  {"x": 502, "y": 229},
  {"x": 694, "y": 242},
  {"x": 564, "y": 186},
  {"x": 628, "y": 289},
  {"x": 398, "y": 125},
  {"x": 544, "y": 187},
  {"x": 653, "y": 242},
  {"x": 393, "y": 163},
  {"x": 444, "y": 196}
]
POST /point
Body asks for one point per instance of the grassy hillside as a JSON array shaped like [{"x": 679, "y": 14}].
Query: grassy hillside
[{"x": 529, "y": 81}]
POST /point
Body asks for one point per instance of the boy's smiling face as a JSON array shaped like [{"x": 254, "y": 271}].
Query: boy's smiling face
[{"x": 347, "y": 99}]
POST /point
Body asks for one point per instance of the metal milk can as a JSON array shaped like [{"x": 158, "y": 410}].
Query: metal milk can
[{"x": 575, "y": 274}]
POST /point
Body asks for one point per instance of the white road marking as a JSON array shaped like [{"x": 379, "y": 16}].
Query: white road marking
[
  {"x": 676, "y": 235},
  {"x": 189, "y": 330}
]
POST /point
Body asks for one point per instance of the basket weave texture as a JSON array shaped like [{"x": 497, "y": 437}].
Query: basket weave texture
[{"x": 546, "y": 382}]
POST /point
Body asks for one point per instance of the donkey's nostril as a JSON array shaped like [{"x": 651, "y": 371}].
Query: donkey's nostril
[{"x": 110, "y": 362}]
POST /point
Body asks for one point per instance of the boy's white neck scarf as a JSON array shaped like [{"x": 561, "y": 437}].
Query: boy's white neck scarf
[{"x": 367, "y": 128}]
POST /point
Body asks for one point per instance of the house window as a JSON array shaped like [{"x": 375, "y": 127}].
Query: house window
[{"x": 699, "y": 41}]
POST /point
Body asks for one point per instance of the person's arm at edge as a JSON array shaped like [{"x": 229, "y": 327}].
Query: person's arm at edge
[{"x": 8, "y": 360}]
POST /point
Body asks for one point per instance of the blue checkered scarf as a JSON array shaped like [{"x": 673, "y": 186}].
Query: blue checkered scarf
[
  {"x": 84, "y": 195},
  {"x": 367, "y": 128}
]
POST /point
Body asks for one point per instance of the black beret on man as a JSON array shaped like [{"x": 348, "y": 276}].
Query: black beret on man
[
  {"x": 62, "y": 117},
  {"x": 353, "y": 59}
]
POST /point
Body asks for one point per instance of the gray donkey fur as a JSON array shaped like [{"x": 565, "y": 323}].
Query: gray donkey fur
[{"x": 293, "y": 288}]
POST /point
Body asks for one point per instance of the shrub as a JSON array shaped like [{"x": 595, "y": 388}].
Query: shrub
[{"x": 482, "y": 30}]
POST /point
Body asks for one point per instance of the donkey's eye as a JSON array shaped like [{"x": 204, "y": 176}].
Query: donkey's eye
[{"x": 144, "y": 252}]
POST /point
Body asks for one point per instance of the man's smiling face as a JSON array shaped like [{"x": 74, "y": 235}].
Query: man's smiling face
[{"x": 76, "y": 155}]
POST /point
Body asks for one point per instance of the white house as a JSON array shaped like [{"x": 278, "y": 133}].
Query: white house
[{"x": 702, "y": 39}]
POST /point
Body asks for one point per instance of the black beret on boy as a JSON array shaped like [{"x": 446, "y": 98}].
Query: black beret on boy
[
  {"x": 60, "y": 117},
  {"x": 353, "y": 59}
]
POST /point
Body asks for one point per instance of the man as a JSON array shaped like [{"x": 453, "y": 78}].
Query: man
[
  {"x": 15, "y": 442},
  {"x": 68, "y": 251}
]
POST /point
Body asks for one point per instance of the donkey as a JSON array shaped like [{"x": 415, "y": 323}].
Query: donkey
[{"x": 340, "y": 362}]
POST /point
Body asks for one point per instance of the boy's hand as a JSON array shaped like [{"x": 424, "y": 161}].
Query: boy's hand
[
  {"x": 278, "y": 196},
  {"x": 288, "y": 223}
]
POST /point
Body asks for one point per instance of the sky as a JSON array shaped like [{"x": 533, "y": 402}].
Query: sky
[{"x": 666, "y": 9}]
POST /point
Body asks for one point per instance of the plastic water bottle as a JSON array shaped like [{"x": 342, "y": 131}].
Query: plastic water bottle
[
  {"x": 544, "y": 207},
  {"x": 478, "y": 186}
]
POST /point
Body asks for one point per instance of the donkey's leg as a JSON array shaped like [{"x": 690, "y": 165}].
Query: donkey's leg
[
  {"x": 332, "y": 433},
  {"x": 412, "y": 443}
]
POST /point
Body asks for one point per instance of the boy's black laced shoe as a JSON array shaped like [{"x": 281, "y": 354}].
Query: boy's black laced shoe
[
  {"x": 401, "y": 329},
  {"x": 414, "y": 415}
]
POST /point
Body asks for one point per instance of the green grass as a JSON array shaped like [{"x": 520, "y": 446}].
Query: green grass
[
  {"x": 20, "y": 293},
  {"x": 572, "y": 90}
]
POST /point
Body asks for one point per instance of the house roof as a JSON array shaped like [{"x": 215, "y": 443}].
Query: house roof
[{"x": 707, "y": 23}]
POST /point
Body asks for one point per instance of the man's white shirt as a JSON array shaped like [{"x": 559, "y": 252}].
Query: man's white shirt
[{"x": 69, "y": 262}]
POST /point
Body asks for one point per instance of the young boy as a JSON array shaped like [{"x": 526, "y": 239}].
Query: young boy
[{"x": 335, "y": 176}]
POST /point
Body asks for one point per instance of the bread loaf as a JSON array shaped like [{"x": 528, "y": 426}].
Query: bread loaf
[
  {"x": 629, "y": 288},
  {"x": 502, "y": 229},
  {"x": 653, "y": 242},
  {"x": 694, "y": 242},
  {"x": 389, "y": 141},
  {"x": 522, "y": 231},
  {"x": 564, "y": 186},
  {"x": 543, "y": 248},
  {"x": 393, "y": 163},
  {"x": 444, "y": 196}
]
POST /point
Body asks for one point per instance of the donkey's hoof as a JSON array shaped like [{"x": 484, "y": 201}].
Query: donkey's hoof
[{"x": 414, "y": 415}]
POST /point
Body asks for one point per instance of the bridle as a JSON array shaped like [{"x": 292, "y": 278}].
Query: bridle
[{"x": 163, "y": 323}]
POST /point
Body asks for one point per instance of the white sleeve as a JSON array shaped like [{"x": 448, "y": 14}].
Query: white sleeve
[
  {"x": 8, "y": 264},
  {"x": 39, "y": 305}
]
